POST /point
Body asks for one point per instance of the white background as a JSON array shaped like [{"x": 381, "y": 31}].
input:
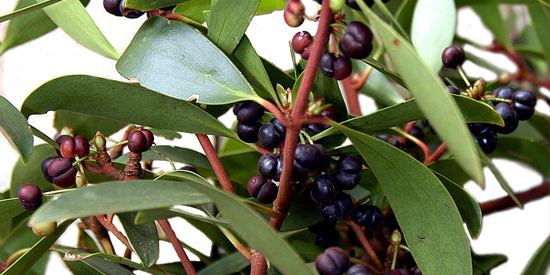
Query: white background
[{"x": 516, "y": 233}]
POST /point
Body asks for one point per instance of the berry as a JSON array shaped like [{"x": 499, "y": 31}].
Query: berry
[
  {"x": 392, "y": 272},
  {"x": 295, "y": 7},
  {"x": 69, "y": 147},
  {"x": 169, "y": 8},
  {"x": 453, "y": 90},
  {"x": 324, "y": 189},
  {"x": 279, "y": 127},
  {"x": 140, "y": 141},
  {"x": 306, "y": 53},
  {"x": 505, "y": 92},
  {"x": 129, "y": 13},
  {"x": 404, "y": 271},
  {"x": 59, "y": 140},
  {"x": 416, "y": 271},
  {"x": 294, "y": 13},
  {"x": 367, "y": 215},
  {"x": 330, "y": 113},
  {"x": 359, "y": 269},
  {"x": 313, "y": 129},
  {"x": 267, "y": 165},
  {"x": 248, "y": 133},
  {"x": 488, "y": 141},
  {"x": 249, "y": 112},
  {"x": 62, "y": 172},
  {"x": 338, "y": 209},
  {"x": 349, "y": 164},
  {"x": 279, "y": 168},
  {"x": 254, "y": 185},
  {"x": 300, "y": 41},
  {"x": 328, "y": 239},
  {"x": 306, "y": 158},
  {"x": 44, "y": 229},
  {"x": 189, "y": 168},
  {"x": 523, "y": 102},
  {"x": 453, "y": 56},
  {"x": 112, "y": 7},
  {"x": 509, "y": 116},
  {"x": 30, "y": 196},
  {"x": 345, "y": 180},
  {"x": 357, "y": 41},
  {"x": 326, "y": 65},
  {"x": 342, "y": 67},
  {"x": 325, "y": 159},
  {"x": 269, "y": 137},
  {"x": 267, "y": 193},
  {"x": 333, "y": 261},
  {"x": 480, "y": 128},
  {"x": 44, "y": 166}
]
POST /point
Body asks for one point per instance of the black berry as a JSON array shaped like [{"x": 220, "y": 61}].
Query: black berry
[
  {"x": 306, "y": 158},
  {"x": 326, "y": 65},
  {"x": 254, "y": 185},
  {"x": 112, "y": 7},
  {"x": 267, "y": 165},
  {"x": 313, "y": 129},
  {"x": 267, "y": 193},
  {"x": 324, "y": 189},
  {"x": 248, "y": 133},
  {"x": 62, "y": 172},
  {"x": 279, "y": 127},
  {"x": 333, "y": 261},
  {"x": 453, "y": 56},
  {"x": 30, "y": 196},
  {"x": 322, "y": 227},
  {"x": 359, "y": 269},
  {"x": 416, "y": 271},
  {"x": 338, "y": 209},
  {"x": 509, "y": 116},
  {"x": 337, "y": 67},
  {"x": 324, "y": 163},
  {"x": 417, "y": 133},
  {"x": 345, "y": 180},
  {"x": 44, "y": 166},
  {"x": 300, "y": 41},
  {"x": 357, "y": 41},
  {"x": 330, "y": 113},
  {"x": 488, "y": 141},
  {"x": 349, "y": 164},
  {"x": 480, "y": 128},
  {"x": 269, "y": 137},
  {"x": 328, "y": 239},
  {"x": 366, "y": 215},
  {"x": 523, "y": 102},
  {"x": 505, "y": 92},
  {"x": 249, "y": 112}
]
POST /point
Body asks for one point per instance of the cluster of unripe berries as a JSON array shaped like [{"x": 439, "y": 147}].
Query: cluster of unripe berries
[{"x": 116, "y": 7}]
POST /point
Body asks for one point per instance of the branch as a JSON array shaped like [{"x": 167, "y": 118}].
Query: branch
[
  {"x": 507, "y": 202},
  {"x": 216, "y": 163},
  {"x": 352, "y": 96},
  {"x": 187, "y": 265}
]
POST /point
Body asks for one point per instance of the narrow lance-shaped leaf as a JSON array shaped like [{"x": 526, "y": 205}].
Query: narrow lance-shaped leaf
[
  {"x": 433, "y": 29},
  {"x": 145, "y": 5},
  {"x": 25, "y": 10},
  {"x": 15, "y": 128},
  {"x": 118, "y": 197},
  {"x": 176, "y": 60},
  {"x": 432, "y": 97},
  {"x": 143, "y": 238},
  {"x": 539, "y": 264},
  {"x": 427, "y": 214},
  {"x": 74, "y": 20},
  {"x": 110, "y": 99}
]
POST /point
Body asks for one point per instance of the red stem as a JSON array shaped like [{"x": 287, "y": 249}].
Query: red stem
[
  {"x": 365, "y": 243},
  {"x": 216, "y": 163},
  {"x": 352, "y": 97},
  {"x": 507, "y": 202},
  {"x": 111, "y": 227},
  {"x": 187, "y": 265},
  {"x": 437, "y": 154}
]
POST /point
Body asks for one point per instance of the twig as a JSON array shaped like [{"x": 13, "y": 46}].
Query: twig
[
  {"x": 352, "y": 97},
  {"x": 109, "y": 226},
  {"x": 216, "y": 163},
  {"x": 507, "y": 202},
  {"x": 437, "y": 154},
  {"x": 187, "y": 265},
  {"x": 365, "y": 243}
]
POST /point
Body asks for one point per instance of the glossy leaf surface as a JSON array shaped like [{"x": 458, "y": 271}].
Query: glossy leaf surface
[
  {"x": 179, "y": 62},
  {"x": 86, "y": 125},
  {"x": 15, "y": 128},
  {"x": 143, "y": 238},
  {"x": 113, "y": 197},
  {"x": 534, "y": 154},
  {"x": 109, "y": 99},
  {"x": 539, "y": 264},
  {"x": 427, "y": 214},
  {"x": 74, "y": 20},
  {"x": 433, "y": 29},
  {"x": 432, "y": 98},
  {"x": 145, "y": 5},
  {"x": 31, "y": 172}
]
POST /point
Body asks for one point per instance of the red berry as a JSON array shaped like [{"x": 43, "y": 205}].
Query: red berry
[
  {"x": 300, "y": 41},
  {"x": 62, "y": 172},
  {"x": 30, "y": 196},
  {"x": 140, "y": 141},
  {"x": 293, "y": 20}
]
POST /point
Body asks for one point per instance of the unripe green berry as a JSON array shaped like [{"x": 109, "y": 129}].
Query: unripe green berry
[{"x": 44, "y": 229}]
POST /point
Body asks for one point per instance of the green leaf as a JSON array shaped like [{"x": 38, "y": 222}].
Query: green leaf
[
  {"x": 432, "y": 97},
  {"x": 110, "y": 99},
  {"x": 269, "y": 6},
  {"x": 540, "y": 21},
  {"x": 31, "y": 172},
  {"x": 10, "y": 208},
  {"x": 261, "y": 236},
  {"x": 143, "y": 238},
  {"x": 532, "y": 153},
  {"x": 428, "y": 216},
  {"x": 118, "y": 197},
  {"x": 193, "y": 9},
  {"x": 537, "y": 128},
  {"x": 433, "y": 30},
  {"x": 177, "y": 154},
  {"x": 450, "y": 170},
  {"x": 484, "y": 263},
  {"x": 378, "y": 86},
  {"x": 177, "y": 61},
  {"x": 22, "y": 11},
  {"x": 499, "y": 178},
  {"x": 224, "y": 28},
  {"x": 25, "y": 262},
  {"x": 15, "y": 128},
  {"x": 229, "y": 264},
  {"x": 146, "y": 5},
  {"x": 74, "y": 20},
  {"x": 401, "y": 113},
  {"x": 238, "y": 166},
  {"x": 86, "y": 125},
  {"x": 467, "y": 206},
  {"x": 539, "y": 264},
  {"x": 491, "y": 17},
  {"x": 461, "y": 3},
  {"x": 144, "y": 216}
]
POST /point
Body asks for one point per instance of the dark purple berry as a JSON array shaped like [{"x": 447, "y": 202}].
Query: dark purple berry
[
  {"x": 279, "y": 127},
  {"x": 366, "y": 215},
  {"x": 322, "y": 227},
  {"x": 248, "y": 133},
  {"x": 338, "y": 209},
  {"x": 357, "y": 41},
  {"x": 353, "y": 4},
  {"x": 333, "y": 261},
  {"x": 300, "y": 41},
  {"x": 62, "y": 172},
  {"x": 129, "y": 13},
  {"x": 392, "y": 272},
  {"x": 488, "y": 141},
  {"x": 267, "y": 165},
  {"x": 349, "y": 164},
  {"x": 480, "y": 128},
  {"x": 313, "y": 129},
  {"x": 249, "y": 112},
  {"x": 325, "y": 158},
  {"x": 346, "y": 181},
  {"x": 30, "y": 196},
  {"x": 189, "y": 168},
  {"x": 404, "y": 271},
  {"x": 416, "y": 271},
  {"x": 324, "y": 189},
  {"x": 279, "y": 168},
  {"x": 326, "y": 65},
  {"x": 523, "y": 102},
  {"x": 44, "y": 166},
  {"x": 112, "y": 7},
  {"x": 254, "y": 185},
  {"x": 359, "y": 269},
  {"x": 267, "y": 193},
  {"x": 306, "y": 158},
  {"x": 504, "y": 92},
  {"x": 453, "y": 56},
  {"x": 342, "y": 67},
  {"x": 169, "y": 8},
  {"x": 269, "y": 137},
  {"x": 69, "y": 147},
  {"x": 328, "y": 239},
  {"x": 509, "y": 116},
  {"x": 453, "y": 90},
  {"x": 137, "y": 142},
  {"x": 149, "y": 137},
  {"x": 330, "y": 113}
]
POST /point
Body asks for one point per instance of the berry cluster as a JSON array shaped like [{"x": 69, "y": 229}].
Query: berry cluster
[
  {"x": 59, "y": 170},
  {"x": 248, "y": 115}
]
